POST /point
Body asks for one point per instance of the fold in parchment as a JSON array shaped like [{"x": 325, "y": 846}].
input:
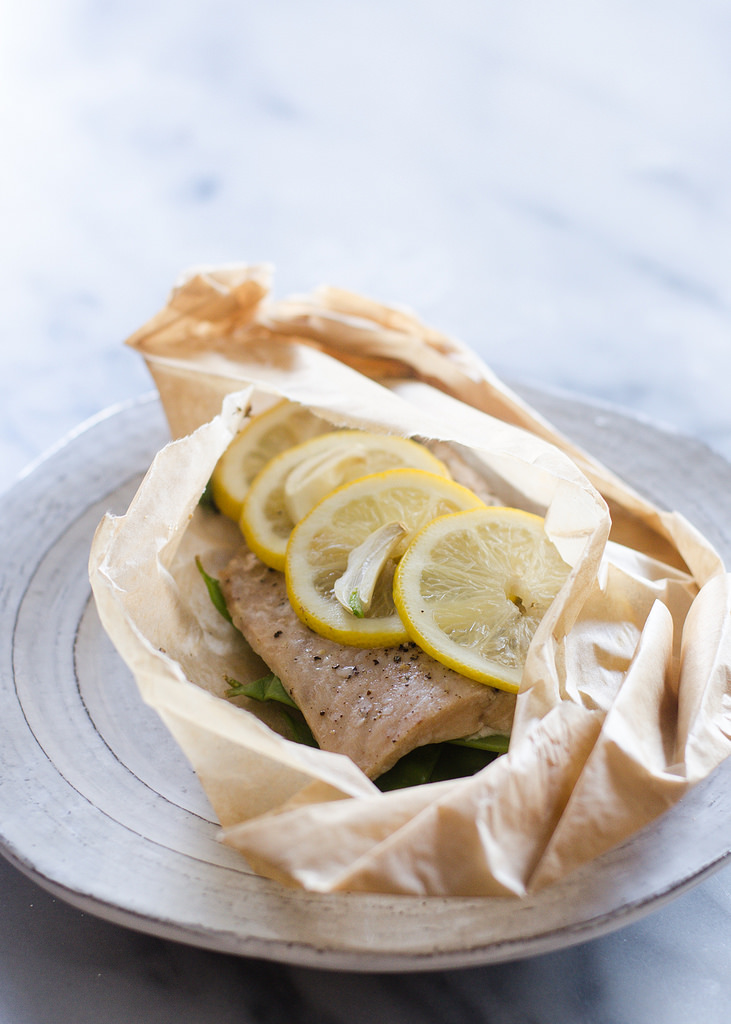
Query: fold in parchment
[{"x": 625, "y": 701}]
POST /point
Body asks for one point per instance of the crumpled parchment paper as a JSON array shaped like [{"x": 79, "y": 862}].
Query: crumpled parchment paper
[{"x": 626, "y": 695}]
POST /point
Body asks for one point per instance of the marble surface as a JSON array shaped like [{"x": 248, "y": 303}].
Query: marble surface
[{"x": 549, "y": 182}]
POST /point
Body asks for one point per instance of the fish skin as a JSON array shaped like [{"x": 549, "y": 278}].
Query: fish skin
[{"x": 373, "y": 705}]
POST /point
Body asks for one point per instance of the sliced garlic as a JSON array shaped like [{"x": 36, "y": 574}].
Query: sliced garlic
[
  {"x": 317, "y": 476},
  {"x": 354, "y": 589}
]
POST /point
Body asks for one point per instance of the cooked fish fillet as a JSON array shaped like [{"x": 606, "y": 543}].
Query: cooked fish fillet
[{"x": 374, "y": 705}]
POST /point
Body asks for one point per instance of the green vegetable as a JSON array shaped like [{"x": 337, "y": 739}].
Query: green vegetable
[
  {"x": 457, "y": 761},
  {"x": 497, "y": 744},
  {"x": 437, "y": 762},
  {"x": 270, "y": 688},
  {"x": 413, "y": 769},
  {"x": 214, "y": 591},
  {"x": 207, "y": 500}
]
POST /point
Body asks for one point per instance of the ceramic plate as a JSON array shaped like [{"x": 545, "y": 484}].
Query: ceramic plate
[{"x": 98, "y": 805}]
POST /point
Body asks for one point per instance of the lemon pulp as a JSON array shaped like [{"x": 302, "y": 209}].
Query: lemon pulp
[
  {"x": 319, "y": 465},
  {"x": 472, "y": 588},
  {"x": 319, "y": 546}
]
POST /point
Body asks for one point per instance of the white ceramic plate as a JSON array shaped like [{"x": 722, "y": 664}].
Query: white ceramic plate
[{"x": 98, "y": 805}]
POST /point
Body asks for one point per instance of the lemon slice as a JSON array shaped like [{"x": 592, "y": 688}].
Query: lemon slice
[
  {"x": 321, "y": 543},
  {"x": 294, "y": 481},
  {"x": 263, "y": 437},
  {"x": 472, "y": 587}
]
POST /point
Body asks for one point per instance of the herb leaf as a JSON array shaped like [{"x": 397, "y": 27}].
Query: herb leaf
[
  {"x": 498, "y": 744},
  {"x": 436, "y": 762},
  {"x": 207, "y": 500},
  {"x": 301, "y": 732},
  {"x": 267, "y": 688},
  {"x": 414, "y": 769},
  {"x": 214, "y": 591},
  {"x": 270, "y": 688}
]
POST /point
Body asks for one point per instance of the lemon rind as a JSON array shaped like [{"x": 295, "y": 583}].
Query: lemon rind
[{"x": 262, "y": 540}]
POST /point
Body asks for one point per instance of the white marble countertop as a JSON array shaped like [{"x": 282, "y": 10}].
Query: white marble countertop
[{"x": 549, "y": 182}]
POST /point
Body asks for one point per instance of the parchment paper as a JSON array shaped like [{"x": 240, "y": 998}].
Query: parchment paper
[{"x": 625, "y": 701}]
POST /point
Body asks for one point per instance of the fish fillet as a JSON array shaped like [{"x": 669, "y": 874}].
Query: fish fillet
[{"x": 373, "y": 705}]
